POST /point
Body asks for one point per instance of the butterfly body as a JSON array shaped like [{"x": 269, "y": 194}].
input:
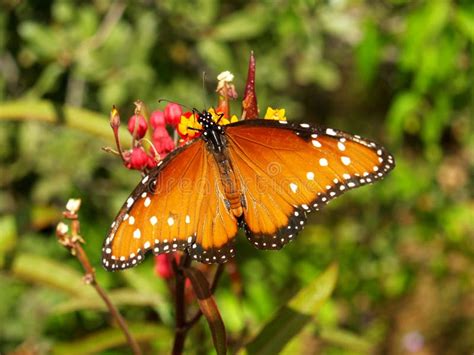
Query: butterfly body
[
  {"x": 214, "y": 136},
  {"x": 264, "y": 176}
]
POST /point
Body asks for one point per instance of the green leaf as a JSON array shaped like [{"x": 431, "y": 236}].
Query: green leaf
[
  {"x": 465, "y": 22},
  {"x": 216, "y": 54},
  {"x": 42, "y": 39},
  {"x": 347, "y": 340},
  {"x": 76, "y": 118},
  {"x": 152, "y": 287},
  {"x": 120, "y": 297},
  {"x": 243, "y": 25},
  {"x": 8, "y": 236},
  {"x": 42, "y": 271},
  {"x": 404, "y": 105},
  {"x": 292, "y": 317},
  {"x": 111, "y": 338},
  {"x": 47, "y": 81},
  {"x": 368, "y": 53}
]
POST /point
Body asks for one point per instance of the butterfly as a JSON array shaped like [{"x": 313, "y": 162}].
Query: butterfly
[{"x": 263, "y": 176}]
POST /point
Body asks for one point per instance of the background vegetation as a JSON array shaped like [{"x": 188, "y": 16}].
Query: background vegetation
[{"x": 398, "y": 71}]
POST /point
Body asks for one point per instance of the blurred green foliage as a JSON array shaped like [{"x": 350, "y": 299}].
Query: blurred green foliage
[{"x": 395, "y": 70}]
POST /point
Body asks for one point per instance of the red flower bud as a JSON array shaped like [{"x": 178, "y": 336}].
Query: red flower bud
[
  {"x": 153, "y": 160},
  {"x": 157, "y": 119},
  {"x": 163, "y": 266},
  {"x": 162, "y": 141},
  {"x": 139, "y": 122},
  {"x": 173, "y": 114},
  {"x": 136, "y": 159}
]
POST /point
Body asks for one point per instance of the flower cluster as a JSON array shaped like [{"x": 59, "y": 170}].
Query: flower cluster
[{"x": 147, "y": 151}]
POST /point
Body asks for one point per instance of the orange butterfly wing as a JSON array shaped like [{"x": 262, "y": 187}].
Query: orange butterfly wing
[
  {"x": 179, "y": 206},
  {"x": 287, "y": 170}
]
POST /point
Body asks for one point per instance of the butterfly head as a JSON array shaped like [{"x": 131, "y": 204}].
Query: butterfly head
[
  {"x": 205, "y": 119},
  {"x": 211, "y": 131}
]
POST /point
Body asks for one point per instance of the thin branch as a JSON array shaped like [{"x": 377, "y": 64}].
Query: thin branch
[
  {"x": 73, "y": 242},
  {"x": 180, "y": 305}
]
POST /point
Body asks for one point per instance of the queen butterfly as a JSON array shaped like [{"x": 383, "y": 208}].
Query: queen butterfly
[{"x": 261, "y": 175}]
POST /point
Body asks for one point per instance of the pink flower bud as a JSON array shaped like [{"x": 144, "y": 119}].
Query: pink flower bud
[
  {"x": 139, "y": 122},
  {"x": 157, "y": 119},
  {"x": 173, "y": 114},
  {"x": 153, "y": 160},
  {"x": 163, "y": 266},
  {"x": 162, "y": 141},
  {"x": 136, "y": 159}
]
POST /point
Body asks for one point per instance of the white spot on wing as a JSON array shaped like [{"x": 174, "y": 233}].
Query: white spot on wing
[
  {"x": 187, "y": 219},
  {"x": 310, "y": 175},
  {"x": 323, "y": 162},
  {"x": 345, "y": 160},
  {"x": 137, "y": 234},
  {"x": 341, "y": 146},
  {"x": 129, "y": 202},
  {"x": 153, "y": 220},
  {"x": 316, "y": 143},
  {"x": 330, "y": 132},
  {"x": 293, "y": 187},
  {"x": 131, "y": 220},
  {"x": 170, "y": 221},
  {"x": 147, "y": 202}
]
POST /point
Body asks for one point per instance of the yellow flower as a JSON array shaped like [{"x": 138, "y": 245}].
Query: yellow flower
[
  {"x": 222, "y": 121},
  {"x": 275, "y": 114},
  {"x": 188, "y": 125}
]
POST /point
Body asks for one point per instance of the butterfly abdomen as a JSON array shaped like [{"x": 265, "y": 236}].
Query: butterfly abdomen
[{"x": 231, "y": 187}]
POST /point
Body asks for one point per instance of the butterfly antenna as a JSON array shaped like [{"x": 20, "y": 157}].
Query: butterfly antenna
[
  {"x": 177, "y": 103},
  {"x": 204, "y": 96}
]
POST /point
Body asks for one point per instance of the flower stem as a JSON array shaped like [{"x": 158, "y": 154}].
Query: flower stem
[
  {"x": 180, "y": 306},
  {"x": 90, "y": 278},
  {"x": 72, "y": 241}
]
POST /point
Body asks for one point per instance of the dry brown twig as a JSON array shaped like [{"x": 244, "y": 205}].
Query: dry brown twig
[{"x": 72, "y": 240}]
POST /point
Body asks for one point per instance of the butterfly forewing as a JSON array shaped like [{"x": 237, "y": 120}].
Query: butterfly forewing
[
  {"x": 287, "y": 170},
  {"x": 178, "y": 206}
]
